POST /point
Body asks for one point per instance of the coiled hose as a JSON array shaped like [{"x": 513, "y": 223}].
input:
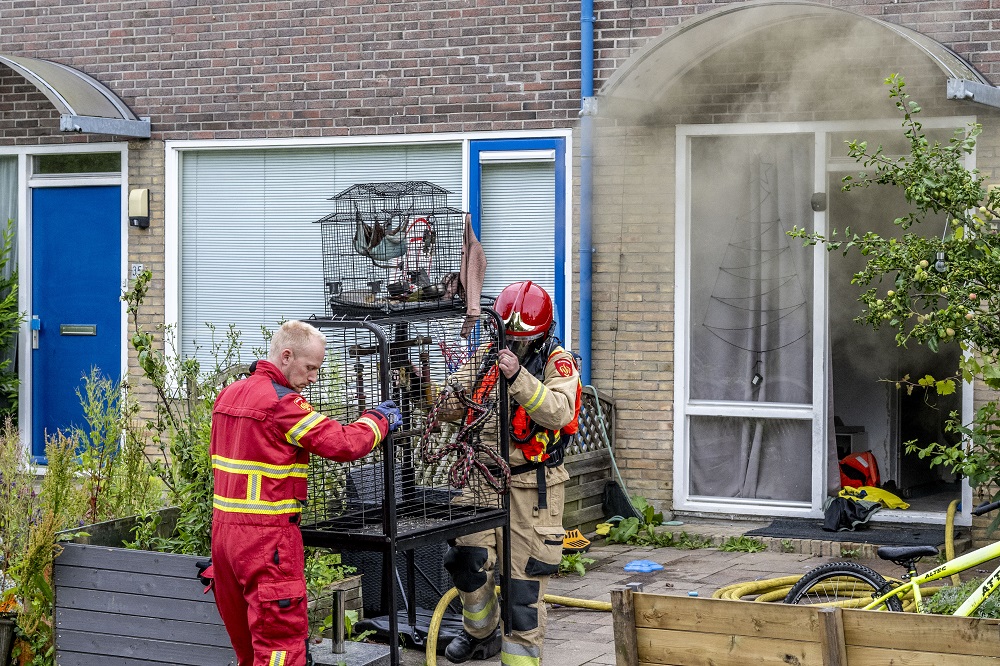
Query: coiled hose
[
  {"x": 768, "y": 590},
  {"x": 775, "y": 589},
  {"x": 449, "y": 596}
]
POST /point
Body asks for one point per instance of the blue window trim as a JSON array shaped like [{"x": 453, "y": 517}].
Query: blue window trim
[{"x": 476, "y": 206}]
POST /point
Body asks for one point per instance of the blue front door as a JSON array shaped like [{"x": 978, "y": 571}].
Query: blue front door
[{"x": 76, "y": 288}]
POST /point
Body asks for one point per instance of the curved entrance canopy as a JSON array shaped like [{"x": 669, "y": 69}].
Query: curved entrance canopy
[
  {"x": 661, "y": 63},
  {"x": 84, "y": 104}
]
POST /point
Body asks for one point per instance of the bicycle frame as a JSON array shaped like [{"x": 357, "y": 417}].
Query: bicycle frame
[{"x": 961, "y": 563}]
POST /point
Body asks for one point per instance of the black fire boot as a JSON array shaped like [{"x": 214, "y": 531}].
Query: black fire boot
[{"x": 464, "y": 647}]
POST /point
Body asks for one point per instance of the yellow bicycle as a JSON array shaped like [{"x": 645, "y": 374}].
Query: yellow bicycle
[{"x": 852, "y": 585}]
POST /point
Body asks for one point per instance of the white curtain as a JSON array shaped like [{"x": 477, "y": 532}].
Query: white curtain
[{"x": 751, "y": 308}]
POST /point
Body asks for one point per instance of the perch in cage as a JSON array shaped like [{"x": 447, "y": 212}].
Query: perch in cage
[
  {"x": 396, "y": 491},
  {"x": 391, "y": 246}
]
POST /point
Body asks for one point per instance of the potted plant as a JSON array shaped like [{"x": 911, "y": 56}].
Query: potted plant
[{"x": 326, "y": 574}]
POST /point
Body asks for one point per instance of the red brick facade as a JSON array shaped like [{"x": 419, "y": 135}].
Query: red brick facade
[{"x": 339, "y": 68}]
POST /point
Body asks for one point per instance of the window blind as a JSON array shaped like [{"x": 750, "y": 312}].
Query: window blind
[
  {"x": 250, "y": 251},
  {"x": 518, "y": 224}
]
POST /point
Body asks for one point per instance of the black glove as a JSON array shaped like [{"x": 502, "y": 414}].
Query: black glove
[
  {"x": 391, "y": 412},
  {"x": 205, "y": 573}
]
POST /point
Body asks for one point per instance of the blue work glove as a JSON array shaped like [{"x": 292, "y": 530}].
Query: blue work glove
[{"x": 391, "y": 412}]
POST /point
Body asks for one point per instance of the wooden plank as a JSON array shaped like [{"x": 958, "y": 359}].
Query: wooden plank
[
  {"x": 122, "y": 559},
  {"x": 138, "y": 605},
  {"x": 592, "y": 461},
  {"x": 583, "y": 516},
  {"x": 166, "y": 629},
  {"x": 721, "y": 616},
  {"x": 148, "y": 584},
  {"x": 831, "y": 626},
  {"x": 140, "y": 651},
  {"x": 592, "y": 489},
  {"x": 943, "y": 634},
  {"x": 623, "y": 624},
  {"x": 870, "y": 655},
  {"x": 64, "y": 658},
  {"x": 693, "y": 648}
]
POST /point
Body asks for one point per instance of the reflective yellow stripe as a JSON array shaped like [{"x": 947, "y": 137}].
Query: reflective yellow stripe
[
  {"x": 277, "y": 658},
  {"x": 253, "y": 487},
  {"x": 235, "y": 466},
  {"x": 513, "y": 654},
  {"x": 375, "y": 429},
  {"x": 299, "y": 430},
  {"x": 256, "y": 506},
  {"x": 477, "y": 616},
  {"x": 537, "y": 398}
]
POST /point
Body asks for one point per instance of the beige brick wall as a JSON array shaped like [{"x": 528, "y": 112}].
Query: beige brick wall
[
  {"x": 634, "y": 214},
  {"x": 146, "y": 246}
]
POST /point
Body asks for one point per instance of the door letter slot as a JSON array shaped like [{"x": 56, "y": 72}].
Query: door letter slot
[{"x": 77, "y": 329}]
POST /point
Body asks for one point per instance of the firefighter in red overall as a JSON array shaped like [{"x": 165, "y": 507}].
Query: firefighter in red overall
[
  {"x": 544, "y": 385},
  {"x": 263, "y": 431}
]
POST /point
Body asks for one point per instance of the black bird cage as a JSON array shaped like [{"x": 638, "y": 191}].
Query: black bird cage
[
  {"x": 443, "y": 473},
  {"x": 391, "y": 247}
]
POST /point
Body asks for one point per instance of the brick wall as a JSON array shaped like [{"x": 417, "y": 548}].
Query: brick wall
[
  {"x": 308, "y": 68},
  {"x": 763, "y": 79},
  {"x": 146, "y": 247}
]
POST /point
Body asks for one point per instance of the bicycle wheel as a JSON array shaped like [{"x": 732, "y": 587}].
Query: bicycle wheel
[{"x": 843, "y": 584}]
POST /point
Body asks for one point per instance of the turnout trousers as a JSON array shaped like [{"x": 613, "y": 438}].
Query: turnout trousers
[
  {"x": 536, "y": 550},
  {"x": 260, "y": 587}
]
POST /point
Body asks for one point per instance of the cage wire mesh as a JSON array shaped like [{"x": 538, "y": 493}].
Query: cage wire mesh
[
  {"x": 424, "y": 354},
  {"x": 391, "y": 247}
]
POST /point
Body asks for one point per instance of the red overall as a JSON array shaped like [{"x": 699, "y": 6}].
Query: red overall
[{"x": 262, "y": 435}]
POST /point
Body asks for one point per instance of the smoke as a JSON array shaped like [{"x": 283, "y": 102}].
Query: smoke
[{"x": 772, "y": 63}]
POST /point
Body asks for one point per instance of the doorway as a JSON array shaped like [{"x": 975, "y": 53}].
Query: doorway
[
  {"x": 777, "y": 381},
  {"x": 870, "y": 412}
]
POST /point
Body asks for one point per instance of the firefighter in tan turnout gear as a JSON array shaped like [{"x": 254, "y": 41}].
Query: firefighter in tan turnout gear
[{"x": 544, "y": 387}]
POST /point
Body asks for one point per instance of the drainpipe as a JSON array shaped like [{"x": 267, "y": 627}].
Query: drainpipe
[{"x": 588, "y": 108}]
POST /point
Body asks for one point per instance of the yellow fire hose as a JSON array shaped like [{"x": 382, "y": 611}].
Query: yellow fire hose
[
  {"x": 775, "y": 589},
  {"x": 769, "y": 590},
  {"x": 439, "y": 610}
]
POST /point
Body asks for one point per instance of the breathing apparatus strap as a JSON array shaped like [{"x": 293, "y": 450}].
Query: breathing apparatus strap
[{"x": 553, "y": 460}]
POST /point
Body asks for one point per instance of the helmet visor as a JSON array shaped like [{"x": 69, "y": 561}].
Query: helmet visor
[{"x": 524, "y": 346}]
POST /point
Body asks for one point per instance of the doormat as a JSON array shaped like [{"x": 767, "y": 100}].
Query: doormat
[{"x": 894, "y": 534}]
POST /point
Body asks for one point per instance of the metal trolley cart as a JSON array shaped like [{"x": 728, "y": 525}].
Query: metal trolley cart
[{"x": 443, "y": 473}]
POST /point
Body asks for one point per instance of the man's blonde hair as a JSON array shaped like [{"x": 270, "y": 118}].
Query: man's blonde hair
[{"x": 294, "y": 335}]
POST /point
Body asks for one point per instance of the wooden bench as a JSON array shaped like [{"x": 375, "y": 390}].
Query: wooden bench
[{"x": 685, "y": 631}]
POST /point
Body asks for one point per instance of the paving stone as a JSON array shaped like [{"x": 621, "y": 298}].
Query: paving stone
[{"x": 577, "y": 637}]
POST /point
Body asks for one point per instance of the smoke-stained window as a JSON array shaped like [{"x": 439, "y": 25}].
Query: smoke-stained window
[{"x": 750, "y": 318}]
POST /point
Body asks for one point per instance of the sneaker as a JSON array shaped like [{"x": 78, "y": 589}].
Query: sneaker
[{"x": 464, "y": 647}]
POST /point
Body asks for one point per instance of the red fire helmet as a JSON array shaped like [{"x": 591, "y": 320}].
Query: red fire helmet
[{"x": 526, "y": 310}]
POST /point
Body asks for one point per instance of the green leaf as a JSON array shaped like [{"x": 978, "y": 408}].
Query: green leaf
[{"x": 945, "y": 387}]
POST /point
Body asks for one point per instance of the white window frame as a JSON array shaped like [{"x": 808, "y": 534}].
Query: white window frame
[
  {"x": 816, "y": 412},
  {"x": 174, "y": 151}
]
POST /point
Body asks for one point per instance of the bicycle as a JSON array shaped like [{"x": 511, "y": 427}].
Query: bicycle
[{"x": 852, "y": 585}]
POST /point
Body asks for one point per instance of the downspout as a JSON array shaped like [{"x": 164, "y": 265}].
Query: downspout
[{"x": 588, "y": 108}]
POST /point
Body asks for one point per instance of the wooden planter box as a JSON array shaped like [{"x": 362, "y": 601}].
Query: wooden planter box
[
  {"x": 115, "y": 606},
  {"x": 589, "y": 472},
  {"x": 684, "y": 631},
  {"x": 588, "y": 462}
]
